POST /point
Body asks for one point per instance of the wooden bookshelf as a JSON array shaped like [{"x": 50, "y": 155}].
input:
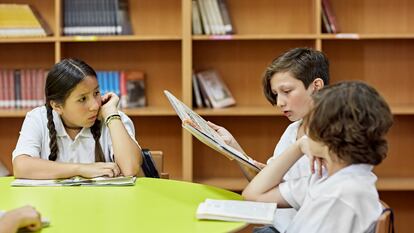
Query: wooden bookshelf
[{"x": 375, "y": 45}]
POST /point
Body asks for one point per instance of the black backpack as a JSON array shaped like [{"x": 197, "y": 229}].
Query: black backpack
[{"x": 148, "y": 164}]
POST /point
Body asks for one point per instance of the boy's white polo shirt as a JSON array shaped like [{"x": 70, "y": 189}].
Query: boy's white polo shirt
[
  {"x": 34, "y": 139},
  {"x": 301, "y": 168},
  {"x": 345, "y": 202}
]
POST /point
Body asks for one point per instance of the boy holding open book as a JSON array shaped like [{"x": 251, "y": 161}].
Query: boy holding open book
[{"x": 346, "y": 134}]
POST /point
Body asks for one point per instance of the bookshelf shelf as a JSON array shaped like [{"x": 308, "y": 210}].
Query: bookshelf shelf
[
  {"x": 375, "y": 45},
  {"x": 119, "y": 38},
  {"x": 395, "y": 184},
  {"x": 27, "y": 40},
  {"x": 256, "y": 37},
  {"x": 345, "y": 36}
]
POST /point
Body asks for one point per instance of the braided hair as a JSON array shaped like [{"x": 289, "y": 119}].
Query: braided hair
[{"x": 60, "y": 82}]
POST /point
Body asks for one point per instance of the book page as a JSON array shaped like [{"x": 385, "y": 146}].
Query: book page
[
  {"x": 231, "y": 210},
  {"x": 199, "y": 128}
]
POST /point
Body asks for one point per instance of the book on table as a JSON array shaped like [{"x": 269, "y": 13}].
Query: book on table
[
  {"x": 238, "y": 211},
  {"x": 77, "y": 180},
  {"x": 199, "y": 128}
]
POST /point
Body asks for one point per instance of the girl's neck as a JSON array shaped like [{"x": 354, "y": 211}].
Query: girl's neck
[{"x": 75, "y": 128}]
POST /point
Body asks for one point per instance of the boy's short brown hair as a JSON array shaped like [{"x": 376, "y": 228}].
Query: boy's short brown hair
[
  {"x": 305, "y": 64},
  {"x": 351, "y": 118}
]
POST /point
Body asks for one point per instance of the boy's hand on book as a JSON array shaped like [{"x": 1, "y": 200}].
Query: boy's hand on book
[
  {"x": 99, "y": 169},
  {"x": 224, "y": 134}
]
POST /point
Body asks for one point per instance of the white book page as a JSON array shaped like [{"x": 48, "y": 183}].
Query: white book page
[{"x": 254, "y": 212}]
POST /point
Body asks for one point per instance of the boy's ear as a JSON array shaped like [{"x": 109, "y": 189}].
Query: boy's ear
[
  {"x": 317, "y": 84},
  {"x": 57, "y": 107}
]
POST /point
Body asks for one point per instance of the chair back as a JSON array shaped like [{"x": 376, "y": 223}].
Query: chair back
[{"x": 385, "y": 223}]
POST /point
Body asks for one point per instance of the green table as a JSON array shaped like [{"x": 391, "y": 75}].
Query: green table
[{"x": 152, "y": 205}]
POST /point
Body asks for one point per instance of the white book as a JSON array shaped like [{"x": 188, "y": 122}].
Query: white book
[
  {"x": 77, "y": 180},
  {"x": 199, "y": 128},
  {"x": 237, "y": 211}
]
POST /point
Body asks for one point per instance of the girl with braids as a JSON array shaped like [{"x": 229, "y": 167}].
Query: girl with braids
[
  {"x": 346, "y": 131},
  {"x": 78, "y": 132}
]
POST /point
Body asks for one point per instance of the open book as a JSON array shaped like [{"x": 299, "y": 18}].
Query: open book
[
  {"x": 203, "y": 132},
  {"x": 77, "y": 180},
  {"x": 237, "y": 211}
]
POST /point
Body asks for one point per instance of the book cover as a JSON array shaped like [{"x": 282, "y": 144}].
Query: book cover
[
  {"x": 237, "y": 211},
  {"x": 199, "y": 128},
  {"x": 217, "y": 92},
  {"x": 77, "y": 181},
  {"x": 196, "y": 20},
  {"x": 135, "y": 88}
]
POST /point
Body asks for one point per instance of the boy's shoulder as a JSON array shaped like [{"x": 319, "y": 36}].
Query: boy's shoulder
[{"x": 355, "y": 181}]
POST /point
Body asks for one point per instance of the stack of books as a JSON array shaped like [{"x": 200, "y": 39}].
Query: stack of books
[
  {"x": 21, "y": 20},
  {"x": 211, "y": 17},
  {"x": 96, "y": 17}
]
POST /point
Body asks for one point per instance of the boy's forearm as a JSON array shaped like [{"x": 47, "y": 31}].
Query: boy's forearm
[
  {"x": 28, "y": 167},
  {"x": 272, "y": 175}
]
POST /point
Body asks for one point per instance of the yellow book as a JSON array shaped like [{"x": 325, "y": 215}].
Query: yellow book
[{"x": 21, "y": 20}]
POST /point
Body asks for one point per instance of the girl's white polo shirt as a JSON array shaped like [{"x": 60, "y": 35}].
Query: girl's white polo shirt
[{"x": 34, "y": 139}]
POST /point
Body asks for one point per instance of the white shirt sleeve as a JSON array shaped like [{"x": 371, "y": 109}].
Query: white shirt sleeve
[
  {"x": 31, "y": 136},
  {"x": 294, "y": 191}
]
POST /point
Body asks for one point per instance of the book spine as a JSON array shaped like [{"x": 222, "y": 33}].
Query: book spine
[
  {"x": 228, "y": 26},
  {"x": 326, "y": 5}
]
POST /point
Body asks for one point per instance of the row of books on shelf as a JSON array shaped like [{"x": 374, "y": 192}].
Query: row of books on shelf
[
  {"x": 329, "y": 22},
  {"x": 129, "y": 85},
  {"x": 24, "y": 88},
  {"x": 96, "y": 17},
  {"x": 211, "y": 17},
  {"x": 22, "y": 20},
  {"x": 210, "y": 91}
]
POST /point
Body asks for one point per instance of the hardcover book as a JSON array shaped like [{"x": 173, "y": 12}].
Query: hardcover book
[
  {"x": 199, "y": 128},
  {"x": 216, "y": 90}
]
